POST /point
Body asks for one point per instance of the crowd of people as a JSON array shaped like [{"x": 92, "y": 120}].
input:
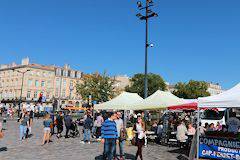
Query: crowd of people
[
  {"x": 7, "y": 111},
  {"x": 232, "y": 126},
  {"x": 109, "y": 127}
]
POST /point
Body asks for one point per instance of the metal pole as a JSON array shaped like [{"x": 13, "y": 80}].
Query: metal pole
[
  {"x": 20, "y": 101},
  {"x": 198, "y": 132},
  {"x": 53, "y": 116},
  {"x": 59, "y": 97},
  {"x": 146, "y": 54},
  {"x": 146, "y": 62}
]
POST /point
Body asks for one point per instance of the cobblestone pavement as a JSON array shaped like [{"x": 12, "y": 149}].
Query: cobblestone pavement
[{"x": 63, "y": 149}]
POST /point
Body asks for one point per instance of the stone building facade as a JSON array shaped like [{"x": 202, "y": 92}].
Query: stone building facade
[{"x": 33, "y": 79}]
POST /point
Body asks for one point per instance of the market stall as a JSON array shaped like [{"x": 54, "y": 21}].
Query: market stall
[
  {"x": 224, "y": 143},
  {"x": 122, "y": 102},
  {"x": 187, "y": 106},
  {"x": 158, "y": 100}
]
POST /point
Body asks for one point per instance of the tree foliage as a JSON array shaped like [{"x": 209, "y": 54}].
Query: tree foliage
[
  {"x": 100, "y": 87},
  {"x": 155, "y": 82},
  {"x": 191, "y": 90}
]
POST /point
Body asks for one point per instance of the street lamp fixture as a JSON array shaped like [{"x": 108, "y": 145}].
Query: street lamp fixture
[
  {"x": 139, "y": 4},
  {"x": 148, "y": 14},
  {"x": 150, "y": 1},
  {"x": 20, "y": 100}
]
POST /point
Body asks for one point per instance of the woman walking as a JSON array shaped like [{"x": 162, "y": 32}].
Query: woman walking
[
  {"x": 47, "y": 130},
  {"x": 24, "y": 124},
  {"x": 99, "y": 122},
  {"x": 139, "y": 129}
]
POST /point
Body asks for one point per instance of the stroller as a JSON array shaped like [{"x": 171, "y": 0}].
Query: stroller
[{"x": 74, "y": 132}]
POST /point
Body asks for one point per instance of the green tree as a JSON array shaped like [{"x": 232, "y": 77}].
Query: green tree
[
  {"x": 100, "y": 87},
  {"x": 191, "y": 90},
  {"x": 155, "y": 82}
]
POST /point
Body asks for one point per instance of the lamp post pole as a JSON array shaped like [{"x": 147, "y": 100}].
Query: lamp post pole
[
  {"x": 146, "y": 55},
  {"x": 20, "y": 101},
  {"x": 60, "y": 93},
  {"x": 148, "y": 14}
]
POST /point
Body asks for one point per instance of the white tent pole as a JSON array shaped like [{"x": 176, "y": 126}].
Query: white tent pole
[
  {"x": 198, "y": 131},
  {"x": 125, "y": 118}
]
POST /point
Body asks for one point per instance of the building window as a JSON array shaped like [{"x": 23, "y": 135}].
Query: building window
[
  {"x": 69, "y": 73},
  {"x": 78, "y": 74},
  {"x": 42, "y": 83},
  {"x": 64, "y": 83},
  {"x": 58, "y": 72},
  {"x": 72, "y": 74},
  {"x": 16, "y": 82},
  {"x": 57, "y": 82},
  {"x": 65, "y": 73},
  {"x": 71, "y": 83},
  {"x": 28, "y": 94},
  {"x": 29, "y": 82},
  {"x": 56, "y": 92},
  {"x": 36, "y": 83},
  {"x": 48, "y": 84},
  {"x": 35, "y": 94},
  {"x": 64, "y": 93}
]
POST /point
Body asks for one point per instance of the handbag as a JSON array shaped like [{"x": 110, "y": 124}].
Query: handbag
[
  {"x": 134, "y": 141},
  {"x": 1, "y": 134},
  {"x": 123, "y": 134}
]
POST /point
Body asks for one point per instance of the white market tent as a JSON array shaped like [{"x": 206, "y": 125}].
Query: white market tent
[
  {"x": 158, "y": 100},
  {"x": 229, "y": 98},
  {"x": 121, "y": 102}
]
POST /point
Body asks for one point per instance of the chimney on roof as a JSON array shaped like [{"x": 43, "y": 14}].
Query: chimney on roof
[
  {"x": 25, "y": 61},
  {"x": 66, "y": 66}
]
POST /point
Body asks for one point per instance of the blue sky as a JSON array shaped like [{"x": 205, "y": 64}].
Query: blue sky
[{"x": 193, "y": 39}]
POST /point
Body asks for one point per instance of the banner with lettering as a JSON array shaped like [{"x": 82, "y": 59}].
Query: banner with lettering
[{"x": 219, "y": 148}]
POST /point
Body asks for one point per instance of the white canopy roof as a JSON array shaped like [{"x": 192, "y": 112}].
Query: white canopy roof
[
  {"x": 229, "y": 98},
  {"x": 121, "y": 102},
  {"x": 159, "y": 100}
]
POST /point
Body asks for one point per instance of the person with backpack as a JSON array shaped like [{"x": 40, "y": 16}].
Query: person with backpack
[
  {"x": 121, "y": 135},
  {"x": 87, "y": 126}
]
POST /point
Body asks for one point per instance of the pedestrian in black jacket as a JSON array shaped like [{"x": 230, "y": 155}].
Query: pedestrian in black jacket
[{"x": 68, "y": 123}]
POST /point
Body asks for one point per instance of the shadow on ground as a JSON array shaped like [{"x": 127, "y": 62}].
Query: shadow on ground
[
  {"x": 127, "y": 157},
  {"x": 183, "y": 153},
  {"x": 3, "y": 149}
]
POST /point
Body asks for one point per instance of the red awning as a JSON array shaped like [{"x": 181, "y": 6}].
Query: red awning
[{"x": 188, "y": 106}]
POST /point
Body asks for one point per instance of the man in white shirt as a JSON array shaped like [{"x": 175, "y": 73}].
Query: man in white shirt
[
  {"x": 28, "y": 107},
  {"x": 119, "y": 124},
  {"x": 233, "y": 123},
  {"x": 181, "y": 132}
]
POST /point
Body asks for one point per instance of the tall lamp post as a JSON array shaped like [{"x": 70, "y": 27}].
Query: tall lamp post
[
  {"x": 20, "y": 101},
  {"x": 60, "y": 93},
  {"x": 148, "y": 14}
]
